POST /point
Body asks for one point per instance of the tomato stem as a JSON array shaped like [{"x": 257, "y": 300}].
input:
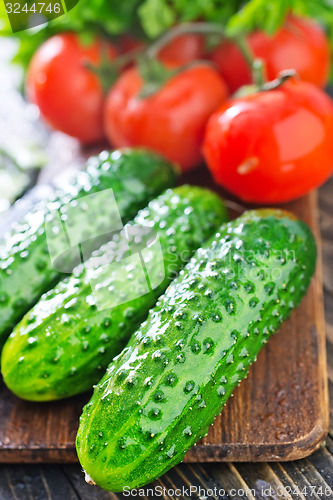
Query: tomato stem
[
  {"x": 128, "y": 57},
  {"x": 203, "y": 28},
  {"x": 282, "y": 77},
  {"x": 154, "y": 75},
  {"x": 256, "y": 65},
  {"x": 258, "y": 72},
  {"x": 183, "y": 29}
]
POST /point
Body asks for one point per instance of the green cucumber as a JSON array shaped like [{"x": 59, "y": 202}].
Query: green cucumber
[
  {"x": 163, "y": 391},
  {"x": 65, "y": 343},
  {"x": 26, "y": 271}
]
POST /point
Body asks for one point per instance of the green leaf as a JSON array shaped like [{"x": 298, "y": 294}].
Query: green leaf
[{"x": 156, "y": 16}]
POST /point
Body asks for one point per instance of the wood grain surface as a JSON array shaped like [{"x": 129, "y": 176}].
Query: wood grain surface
[{"x": 279, "y": 413}]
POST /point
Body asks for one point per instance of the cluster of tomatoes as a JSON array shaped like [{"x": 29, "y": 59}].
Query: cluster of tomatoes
[{"x": 266, "y": 146}]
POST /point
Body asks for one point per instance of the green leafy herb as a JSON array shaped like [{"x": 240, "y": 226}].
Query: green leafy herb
[{"x": 149, "y": 18}]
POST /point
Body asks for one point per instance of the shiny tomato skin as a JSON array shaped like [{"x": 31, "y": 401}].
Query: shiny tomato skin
[
  {"x": 183, "y": 49},
  {"x": 272, "y": 147},
  {"x": 300, "y": 44},
  {"x": 69, "y": 95},
  {"x": 172, "y": 121}
]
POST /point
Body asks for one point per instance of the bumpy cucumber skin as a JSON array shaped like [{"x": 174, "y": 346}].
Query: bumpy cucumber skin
[
  {"x": 136, "y": 176},
  {"x": 64, "y": 344},
  {"x": 161, "y": 394}
]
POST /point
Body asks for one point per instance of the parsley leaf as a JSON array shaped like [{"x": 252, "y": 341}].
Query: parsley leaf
[{"x": 149, "y": 18}]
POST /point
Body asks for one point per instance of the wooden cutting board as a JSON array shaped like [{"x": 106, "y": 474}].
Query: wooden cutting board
[{"x": 280, "y": 412}]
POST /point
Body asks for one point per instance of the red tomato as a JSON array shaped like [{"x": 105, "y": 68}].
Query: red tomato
[
  {"x": 183, "y": 49},
  {"x": 301, "y": 44},
  {"x": 128, "y": 43},
  {"x": 273, "y": 146},
  {"x": 172, "y": 121},
  {"x": 69, "y": 96}
]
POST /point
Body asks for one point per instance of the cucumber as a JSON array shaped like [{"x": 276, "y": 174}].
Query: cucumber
[
  {"x": 26, "y": 272},
  {"x": 163, "y": 391},
  {"x": 65, "y": 343}
]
